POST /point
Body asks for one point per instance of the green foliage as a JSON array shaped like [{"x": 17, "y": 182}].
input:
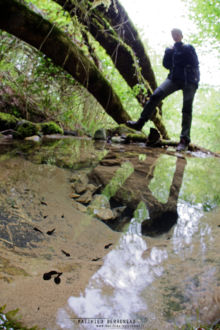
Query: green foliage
[
  {"x": 47, "y": 90},
  {"x": 11, "y": 320},
  {"x": 205, "y": 190},
  {"x": 206, "y": 14},
  {"x": 125, "y": 93},
  {"x": 7, "y": 121},
  {"x": 51, "y": 128}
]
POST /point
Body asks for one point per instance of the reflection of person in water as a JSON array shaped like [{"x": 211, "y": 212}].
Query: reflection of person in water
[
  {"x": 182, "y": 62},
  {"x": 165, "y": 215}
]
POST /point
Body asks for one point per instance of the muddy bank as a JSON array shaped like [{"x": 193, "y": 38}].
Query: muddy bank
[{"x": 35, "y": 199}]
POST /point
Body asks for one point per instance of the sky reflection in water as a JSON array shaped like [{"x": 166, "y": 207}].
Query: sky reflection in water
[
  {"x": 120, "y": 288},
  {"x": 115, "y": 289}
]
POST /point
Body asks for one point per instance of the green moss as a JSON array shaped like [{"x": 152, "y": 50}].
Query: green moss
[
  {"x": 122, "y": 130},
  {"x": 136, "y": 137},
  {"x": 7, "y": 121},
  {"x": 26, "y": 128},
  {"x": 51, "y": 128}
]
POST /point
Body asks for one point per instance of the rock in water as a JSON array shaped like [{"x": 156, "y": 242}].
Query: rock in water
[{"x": 100, "y": 134}]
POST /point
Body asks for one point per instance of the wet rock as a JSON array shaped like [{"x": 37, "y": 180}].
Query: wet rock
[
  {"x": 154, "y": 137},
  {"x": 34, "y": 138},
  {"x": 104, "y": 214},
  {"x": 100, "y": 134},
  {"x": 74, "y": 195},
  {"x": 118, "y": 139},
  {"x": 100, "y": 201},
  {"x": 110, "y": 162},
  {"x": 117, "y": 211},
  {"x": 80, "y": 187},
  {"x": 100, "y": 208},
  {"x": 85, "y": 198},
  {"x": 68, "y": 132},
  {"x": 79, "y": 207},
  {"x": 92, "y": 188},
  {"x": 75, "y": 177},
  {"x": 21, "y": 235},
  {"x": 80, "y": 184}
]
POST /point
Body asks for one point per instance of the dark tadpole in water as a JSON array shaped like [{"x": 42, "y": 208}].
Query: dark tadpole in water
[
  {"x": 43, "y": 203},
  {"x": 50, "y": 232},
  {"x": 96, "y": 259},
  {"x": 66, "y": 253},
  {"x": 108, "y": 245},
  {"x": 62, "y": 216},
  {"x": 57, "y": 280},
  {"x": 36, "y": 229},
  {"x": 47, "y": 276}
]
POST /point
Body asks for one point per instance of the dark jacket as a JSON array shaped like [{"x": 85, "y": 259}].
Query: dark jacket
[{"x": 182, "y": 61}]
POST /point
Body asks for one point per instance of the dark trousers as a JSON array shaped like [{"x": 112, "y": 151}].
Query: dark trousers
[{"x": 166, "y": 88}]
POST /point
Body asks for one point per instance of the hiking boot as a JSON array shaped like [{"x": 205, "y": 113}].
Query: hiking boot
[
  {"x": 137, "y": 125},
  {"x": 183, "y": 145}
]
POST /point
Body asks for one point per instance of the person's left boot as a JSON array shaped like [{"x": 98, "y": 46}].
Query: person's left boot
[
  {"x": 137, "y": 125},
  {"x": 183, "y": 145}
]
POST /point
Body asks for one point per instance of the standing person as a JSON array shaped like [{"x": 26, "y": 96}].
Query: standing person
[{"x": 182, "y": 62}]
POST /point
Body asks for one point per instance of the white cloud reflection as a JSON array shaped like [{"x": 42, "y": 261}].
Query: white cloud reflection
[{"x": 115, "y": 290}]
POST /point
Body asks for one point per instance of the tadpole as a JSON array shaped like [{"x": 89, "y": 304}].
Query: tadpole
[
  {"x": 47, "y": 276},
  {"x": 57, "y": 279},
  {"x": 96, "y": 259},
  {"x": 66, "y": 253},
  {"x": 50, "y": 232},
  {"x": 108, "y": 245},
  {"x": 36, "y": 229}
]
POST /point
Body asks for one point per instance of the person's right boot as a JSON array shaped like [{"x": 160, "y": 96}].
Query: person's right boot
[
  {"x": 137, "y": 125},
  {"x": 183, "y": 145}
]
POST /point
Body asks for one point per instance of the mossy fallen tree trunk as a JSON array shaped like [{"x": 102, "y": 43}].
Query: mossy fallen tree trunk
[
  {"x": 30, "y": 27},
  {"x": 117, "y": 35}
]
